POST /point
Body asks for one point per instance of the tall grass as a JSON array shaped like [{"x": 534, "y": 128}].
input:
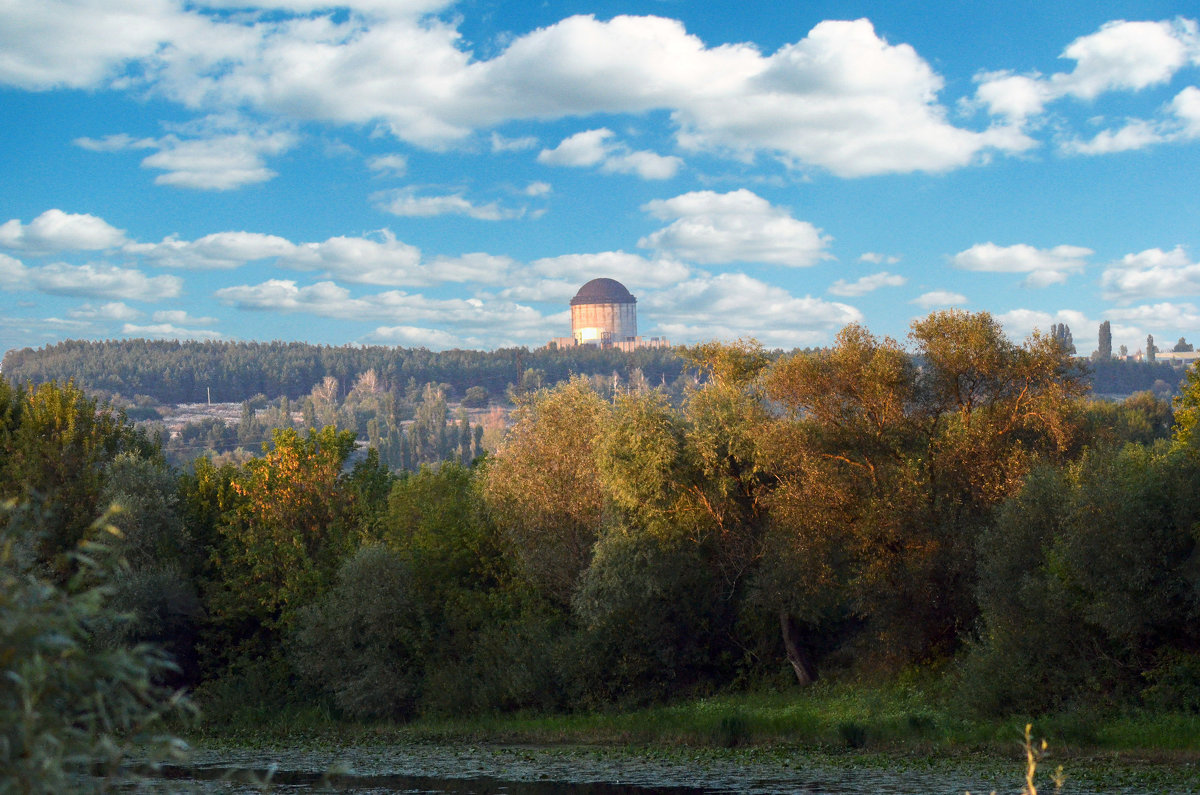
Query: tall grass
[{"x": 896, "y": 716}]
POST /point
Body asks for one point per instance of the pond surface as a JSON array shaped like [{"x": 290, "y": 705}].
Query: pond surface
[{"x": 482, "y": 770}]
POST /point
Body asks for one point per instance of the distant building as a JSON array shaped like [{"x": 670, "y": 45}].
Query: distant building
[
  {"x": 1177, "y": 358},
  {"x": 604, "y": 314}
]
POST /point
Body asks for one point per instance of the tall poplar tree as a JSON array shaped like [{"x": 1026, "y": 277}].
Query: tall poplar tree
[{"x": 1104, "y": 351}]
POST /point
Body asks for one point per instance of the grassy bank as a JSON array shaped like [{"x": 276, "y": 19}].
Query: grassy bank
[
  {"x": 902, "y": 729},
  {"x": 830, "y": 716}
]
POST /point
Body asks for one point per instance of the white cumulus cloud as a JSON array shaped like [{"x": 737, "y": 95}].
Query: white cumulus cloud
[
  {"x": 415, "y": 337},
  {"x": 1152, "y": 273},
  {"x": 115, "y": 310},
  {"x": 842, "y": 98},
  {"x": 100, "y": 280},
  {"x": 1186, "y": 108},
  {"x": 13, "y": 273},
  {"x": 1127, "y": 55},
  {"x": 1044, "y": 266},
  {"x": 56, "y": 231},
  {"x": 631, "y": 270},
  {"x": 1136, "y": 134},
  {"x": 473, "y": 321},
  {"x": 1165, "y": 314},
  {"x": 1120, "y": 56},
  {"x": 878, "y": 259},
  {"x": 732, "y": 305},
  {"x": 739, "y": 226},
  {"x": 596, "y": 148},
  {"x": 85, "y": 43},
  {"x": 392, "y": 165},
  {"x": 385, "y": 260},
  {"x": 220, "y": 250},
  {"x": 181, "y": 317},
  {"x": 1020, "y": 323},
  {"x": 214, "y": 160},
  {"x": 936, "y": 298},
  {"x": 1178, "y": 120},
  {"x": 867, "y": 284},
  {"x": 406, "y": 203}
]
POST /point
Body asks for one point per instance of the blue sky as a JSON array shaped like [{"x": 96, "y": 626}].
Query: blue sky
[{"x": 439, "y": 174}]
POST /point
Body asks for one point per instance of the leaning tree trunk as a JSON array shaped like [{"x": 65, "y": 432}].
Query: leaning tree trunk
[{"x": 806, "y": 674}]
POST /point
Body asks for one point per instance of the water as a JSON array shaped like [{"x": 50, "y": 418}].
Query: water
[{"x": 483, "y": 770}]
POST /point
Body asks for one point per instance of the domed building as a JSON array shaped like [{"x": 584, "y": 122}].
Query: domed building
[{"x": 604, "y": 313}]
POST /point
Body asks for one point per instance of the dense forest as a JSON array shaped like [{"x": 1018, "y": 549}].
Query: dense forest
[
  {"x": 194, "y": 372},
  {"x": 146, "y": 371},
  {"x": 821, "y": 513},
  {"x": 407, "y": 429}
]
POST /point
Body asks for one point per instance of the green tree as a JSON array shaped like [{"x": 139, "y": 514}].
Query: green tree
[
  {"x": 249, "y": 428},
  {"x": 654, "y": 610},
  {"x": 1104, "y": 350},
  {"x": 476, "y": 397},
  {"x": 724, "y": 415},
  {"x": 159, "y": 590},
  {"x": 1088, "y": 582},
  {"x": 841, "y": 457},
  {"x": 644, "y": 463},
  {"x": 1187, "y": 411},
  {"x": 542, "y": 490},
  {"x": 887, "y": 472},
  {"x": 55, "y": 444},
  {"x": 1061, "y": 333},
  {"x": 429, "y": 435},
  {"x": 365, "y": 641},
  {"x": 1143, "y": 418},
  {"x": 289, "y": 524},
  {"x": 652, "y": 619}
]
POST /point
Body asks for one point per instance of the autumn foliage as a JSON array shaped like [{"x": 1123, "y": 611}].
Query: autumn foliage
[{"x": 951, "y": 499}]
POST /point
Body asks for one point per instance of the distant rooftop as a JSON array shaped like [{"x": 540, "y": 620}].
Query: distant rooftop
[{"x": 603, "y": 291}]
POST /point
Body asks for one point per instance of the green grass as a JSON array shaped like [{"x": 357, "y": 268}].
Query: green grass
[
  {"x": 897, "y": 716},
  {"x": 896, "y": 728}
]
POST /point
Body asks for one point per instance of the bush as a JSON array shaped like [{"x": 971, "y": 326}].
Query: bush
[
  {"x": 158, "y": 605},
  {"x": 1174, "y": 683},
  {"x": 476, "y": 397},
  {"x": 1087, "y": 580},
  {"x": 513, "y": 654},
  {"x": 365, "y": 642},
  {"x": 651, "y": 616},
  {"x": 68, "y": 704}
]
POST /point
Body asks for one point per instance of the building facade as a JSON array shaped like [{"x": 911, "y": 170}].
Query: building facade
[{"x": 604, "y": 313}]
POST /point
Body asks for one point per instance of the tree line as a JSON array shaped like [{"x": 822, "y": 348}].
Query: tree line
[
  {"x": 867, "y": 508},
  {"x": 195, "y": 372},
  {"x": 407, "y": 429},
  {"x": 138, "y": 373}
]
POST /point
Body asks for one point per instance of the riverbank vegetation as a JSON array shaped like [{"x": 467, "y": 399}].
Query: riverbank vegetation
[
  {"x": 868, "y": 544},
  {"x": 896, "y": 716}
]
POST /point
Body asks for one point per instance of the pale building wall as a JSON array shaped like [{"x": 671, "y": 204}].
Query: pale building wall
[
  {"x": 633, "y": 345},
  {"x": 602, "y": 323}
]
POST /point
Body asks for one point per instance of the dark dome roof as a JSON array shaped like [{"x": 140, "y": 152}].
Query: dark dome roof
[{"x": 603, "y": 291}]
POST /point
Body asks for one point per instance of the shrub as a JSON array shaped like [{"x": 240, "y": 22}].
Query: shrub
[
  {"x": 68, "y": 704},
  {"x": 365, "y": 642},
  {"x": 651, "y": 617},
  {"x": 1087, "y": 581},
  {"x": 1174, "y": 683}
]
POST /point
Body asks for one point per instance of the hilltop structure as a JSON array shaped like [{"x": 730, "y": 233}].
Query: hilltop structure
[{"x": 604, "y": 314}]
